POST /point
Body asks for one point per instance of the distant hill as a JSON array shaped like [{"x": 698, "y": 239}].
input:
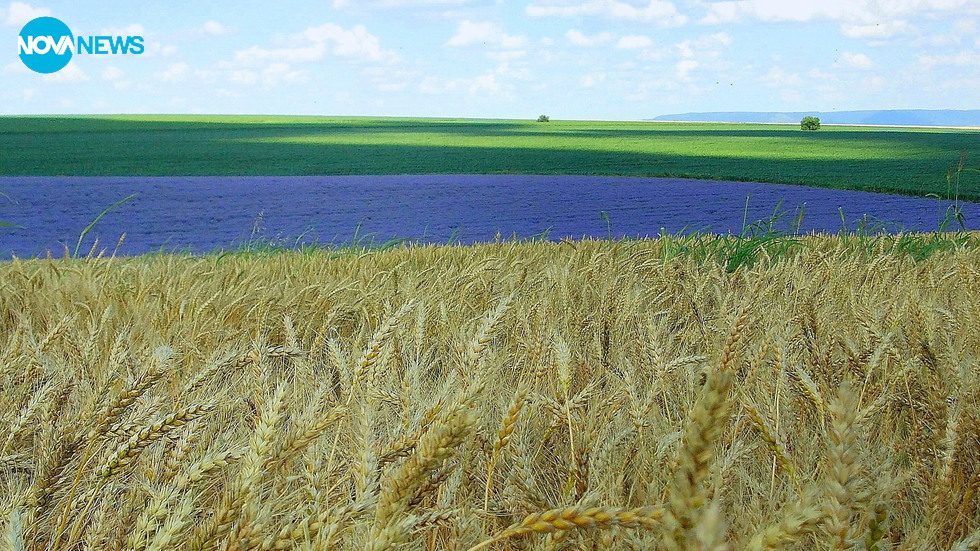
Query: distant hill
[{"x": 900, "y": 117}]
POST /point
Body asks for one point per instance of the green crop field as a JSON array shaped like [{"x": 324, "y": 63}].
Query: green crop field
[{"x": 897, "y": 160}]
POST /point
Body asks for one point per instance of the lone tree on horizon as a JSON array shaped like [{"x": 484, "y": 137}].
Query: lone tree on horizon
[{"x": 810, "y": 123}]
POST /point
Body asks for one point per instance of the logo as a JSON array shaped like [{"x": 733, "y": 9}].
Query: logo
[{"x": 46, "y": 45}]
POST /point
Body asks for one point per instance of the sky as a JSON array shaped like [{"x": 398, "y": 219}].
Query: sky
[{"x": 569, "y": 59}]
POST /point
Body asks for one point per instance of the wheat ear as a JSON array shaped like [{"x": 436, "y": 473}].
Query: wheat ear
[
  {"x": 298, "y": 440},
  {"x": 481, "y": 340},
  {"x": 366, "y": 362},
  {"x": 15, "y": 530},
  {"x": 167, "y": 536},
  {"x": 326, "y": 523},
  {"x": 707, "y": 420},
  {"x": 802, "y": 379},
  {"x": 572, "y": 518},
  {"x": 57, "y": 331},
  {"x": 503, "y": 438},
  {"x": 114, "y": 409},
  {"x": 254, "y": 464},
  {"x": 207, "y": 466},
  {"x": 799, "y": 519},
  {"x": 404, "y": 446},
  {"x": 26, "y": 414},
  {"x": 876, "y": 528},
  {"x": 969, "y": 543},
  {"x": 143, "y": 438},
  {"x": 432, "y": 450},
  {"x": 149, "y": 522},
  {"x": 842, "y": 481},
  {"x": 773, "y": 441}
]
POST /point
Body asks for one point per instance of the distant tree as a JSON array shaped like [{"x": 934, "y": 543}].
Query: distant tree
[
  {"x": 544, "y": 118},
  {"x": 810, "y": 123}
]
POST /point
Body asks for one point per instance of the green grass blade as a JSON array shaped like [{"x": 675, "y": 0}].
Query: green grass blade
[{"x": 92, "y": 224}]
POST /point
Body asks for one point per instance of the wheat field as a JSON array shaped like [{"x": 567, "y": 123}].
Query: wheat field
[{"x": 573, "y": 395}]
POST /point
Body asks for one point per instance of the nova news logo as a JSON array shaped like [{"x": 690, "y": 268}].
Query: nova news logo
[{"x": 46, "y": 45}]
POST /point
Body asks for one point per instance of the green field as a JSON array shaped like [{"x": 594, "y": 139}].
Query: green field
[{"x": 896, "y": 160}]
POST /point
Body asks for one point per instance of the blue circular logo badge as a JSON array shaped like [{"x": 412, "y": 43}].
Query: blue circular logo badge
[{"x": 45, "y": 45}]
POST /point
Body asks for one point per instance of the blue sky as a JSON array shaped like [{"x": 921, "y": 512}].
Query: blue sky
[{"x": 572, "y": 59}]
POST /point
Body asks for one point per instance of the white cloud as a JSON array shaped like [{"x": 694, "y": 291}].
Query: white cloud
[
  {"x": 28, "y": 94},
  {"x": 271, "y": 75},
  {"x": 858, "y": 61},
  {"x": 776, "y": 77},
  {"x": 214, "y": 28},
  {"x": 19, "y": 13},
  {"x": 71, "y": 73},
  {"x": 281, "y": 73},
  {"x": 507, "y": 55},
  {"x": 225, "y": 93},
  {"x": 491, "y": 83},
  {"x": 858, "y": 18},
  {"x": 873, "y": 84},
  {"x": 485, "y": 84},
  {"x": 634, "y": 41},
  {"x": 256, "y": 55},
  {"x": 660, "y": 11},
  {"x": 431, "y": 85},
  {"x": 112, "y": 73},
  {"x": 389, "y": 4},
  {"x": 577, "y": 38},
  {"x": 15, "y": 67},
  {"x": 722, "y": 12},
  {"x": 134, "y": 29},
  {"x": 315, "y": 43},
  {"x": 818, "y": 75},
  {"x": 684, "y": 68},
  {"x": 963, "y": 58},
  {"x": 175, "y": 72},
  {"x": 642, "y": 91},
  {"x": 392, "y": 86},
  {"x": 588, "y": 81},
  {"x": 243, "y": 76},
  {"x": 705, "y": 47},
  {"x": 154, "y": 49},
  {"x": 876, "y": 30},
  {"x": 355, "y": 42},
  {"x": 470, "y": 32},
  {"x": 965, "y": 26}
]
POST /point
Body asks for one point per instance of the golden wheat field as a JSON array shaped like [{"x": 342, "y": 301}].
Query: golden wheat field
[{"x": 546, "y": 396}]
